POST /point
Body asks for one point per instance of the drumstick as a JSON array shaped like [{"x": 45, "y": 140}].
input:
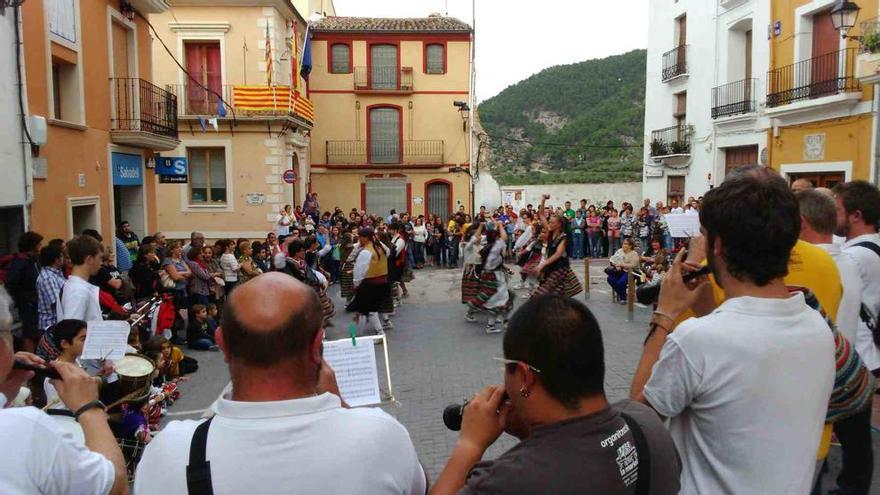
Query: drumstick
[{"x": 128, "y": 397}]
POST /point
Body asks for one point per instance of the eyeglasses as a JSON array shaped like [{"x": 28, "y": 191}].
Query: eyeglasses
[{"x": 514, "y": 361}]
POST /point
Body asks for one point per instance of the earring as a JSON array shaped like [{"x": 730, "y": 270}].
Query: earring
[{"x": 524, "y": 393}]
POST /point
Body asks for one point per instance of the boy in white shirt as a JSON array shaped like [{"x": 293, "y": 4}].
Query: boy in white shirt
[{"x": 79, "y": 299}]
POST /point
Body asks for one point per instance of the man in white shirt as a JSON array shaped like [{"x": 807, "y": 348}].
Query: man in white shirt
[
  {"x": 746, "y": 387},
  {"x": 79, "y": 298},
  {"x": 38, "y": 456},
  {"x": 858, "y": 214},
  {"x": 282, "y": 430}
]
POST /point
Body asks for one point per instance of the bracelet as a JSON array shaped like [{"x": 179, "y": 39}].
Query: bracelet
[
  {"x": 88, "y": 407},
  {"x": 657, "y": 317}
]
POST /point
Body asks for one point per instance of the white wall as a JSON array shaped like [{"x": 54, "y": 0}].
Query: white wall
[
  {"x": 12, "y": 187},
  {"x": 708, "y": 37},
  {"x": 487, "y": 192},
  {"x": 560, "y": 193}
]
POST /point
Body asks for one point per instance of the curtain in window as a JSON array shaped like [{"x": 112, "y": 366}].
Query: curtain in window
[
  {"x": 340, "y": 55},
  {"x": 434, "y": 59},
  {"x": 384, "y": 135},
  {"x": 218, "y": 175},
  {"x": 383, "y": 70},
  {"x": 198, "y": 176}
]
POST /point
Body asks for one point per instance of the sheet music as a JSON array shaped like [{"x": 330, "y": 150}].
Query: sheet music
[
  {"x": 356, "y": 372},
  {"x": 683, "y": 225},
  {"x": 106, "y": 340}
]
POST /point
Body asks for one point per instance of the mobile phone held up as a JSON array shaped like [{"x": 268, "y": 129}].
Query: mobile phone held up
[{"x": 38, "y": 370}]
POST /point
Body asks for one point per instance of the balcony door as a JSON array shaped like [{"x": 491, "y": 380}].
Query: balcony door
[
  {"x": 383, "y": 66},
  {"x": 203, "y": 64},
  {"x": 384, "y": 135},
  {"x": 125, "y": 90},
  {"x": 825, "y": 65}
]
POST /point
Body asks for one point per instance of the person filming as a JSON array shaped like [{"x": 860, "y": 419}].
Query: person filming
[{"x": 553, "y": 400}]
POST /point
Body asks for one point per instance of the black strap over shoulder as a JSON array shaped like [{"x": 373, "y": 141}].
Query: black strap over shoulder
[
  {"x": 198, "y": 471},
  {"x": 643, "y": 481},
  {"x": 869, "y": 245}
]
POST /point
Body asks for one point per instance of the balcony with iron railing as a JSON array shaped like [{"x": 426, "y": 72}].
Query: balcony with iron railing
[
  {"x": 736, "y": 98},
  {"x": 144, "y": 115},
  {"x": 671, "y": 141},
  {"x": 824, "y": 75},
  {"x": 385, "y": 152},
  {"x": 254, "y": 102},
  {"x": 383, "y": 80},
  {"x": 675, "y": 63}
]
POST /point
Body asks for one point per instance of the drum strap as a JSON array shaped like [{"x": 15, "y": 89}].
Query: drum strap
[{"x": 198, "y": 471}]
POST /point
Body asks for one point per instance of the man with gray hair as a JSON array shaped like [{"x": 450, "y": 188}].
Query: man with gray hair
[{"x": 196, "y": 240}]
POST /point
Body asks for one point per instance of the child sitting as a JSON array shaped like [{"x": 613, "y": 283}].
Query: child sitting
[
  {"x": 213, "y": 318},
  {"x": 198, "y": 334}
]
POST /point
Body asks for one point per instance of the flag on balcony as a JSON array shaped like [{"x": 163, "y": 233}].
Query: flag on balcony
[
  {"x": 307, "y": 57},
  {"x": 294, "y": 59},
  {"x": 268, "y": 56},
  {"x": 203, "y": 124},
  {"x": 221, "y": 108}
]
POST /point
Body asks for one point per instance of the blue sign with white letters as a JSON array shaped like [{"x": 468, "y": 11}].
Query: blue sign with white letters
[
  {"x": 127, "y": 169},
  {"x": 172, "y": 170}
]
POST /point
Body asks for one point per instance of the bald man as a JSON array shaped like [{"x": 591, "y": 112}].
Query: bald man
[
  {"x": 801, "y": 185},
  {"x": 283, "y": 428}
]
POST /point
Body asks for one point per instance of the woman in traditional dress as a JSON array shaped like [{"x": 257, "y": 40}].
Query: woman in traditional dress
[
  {"x": 348, "y": 251},
  {"x": 494, "y": 297},
  {"x": 555, "y": 271},
  {"x": 470, "y": 277},
  {"x": 533, "y": 253},
  {"x": 297, "y": 266},
  {"x": 370, "y": 282}
]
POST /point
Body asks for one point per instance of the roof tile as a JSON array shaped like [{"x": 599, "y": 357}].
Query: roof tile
[{"x": 391, "y": 25}]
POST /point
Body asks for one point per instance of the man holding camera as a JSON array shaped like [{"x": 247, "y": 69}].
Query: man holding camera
[
  {"x": 746, "y": 385},
  {"x": 553, "y": 400}
]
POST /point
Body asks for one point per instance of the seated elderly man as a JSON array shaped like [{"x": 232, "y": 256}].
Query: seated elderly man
[{"x": 281, "y": 430}]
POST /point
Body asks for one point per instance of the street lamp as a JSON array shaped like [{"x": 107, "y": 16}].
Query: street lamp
[{"x": 843, "y": 16}]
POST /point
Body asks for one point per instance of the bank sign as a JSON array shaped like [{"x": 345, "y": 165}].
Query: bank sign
[
  {"x": 172, "y": 170},
  {"x": 127, "y": 169}
]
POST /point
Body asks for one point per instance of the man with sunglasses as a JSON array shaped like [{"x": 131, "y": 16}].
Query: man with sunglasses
[{"x": 553, "y": 400}]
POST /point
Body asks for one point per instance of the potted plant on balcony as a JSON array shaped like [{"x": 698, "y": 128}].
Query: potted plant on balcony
[
  {"x": 659, "y": 148},
  {"x": 680, "y": 147},
  {"x": 868, "y": 60}
]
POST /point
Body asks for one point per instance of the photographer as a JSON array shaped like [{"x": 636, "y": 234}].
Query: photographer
[
  {"x": 746, "y": 386},
  {"x": 553, "y": 400}
]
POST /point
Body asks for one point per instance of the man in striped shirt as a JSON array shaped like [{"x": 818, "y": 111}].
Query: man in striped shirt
[{"x": 49, "y": 284}]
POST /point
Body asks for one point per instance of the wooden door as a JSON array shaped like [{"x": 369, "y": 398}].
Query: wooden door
[
  {"x": 820, "y": 179},
  {"x": 203, "y": 64},
  {"x": 739, "y": 156},
  {"x": 674, "y": 189},
  {"x": 125, "y": 89},
  {"x": 120, "y": 51},
  {"x": 682, "y": 30},
  {"x": 825, "y": 56}
]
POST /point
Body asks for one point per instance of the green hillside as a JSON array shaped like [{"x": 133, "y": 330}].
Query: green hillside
[{"x": 578, "y": 115}]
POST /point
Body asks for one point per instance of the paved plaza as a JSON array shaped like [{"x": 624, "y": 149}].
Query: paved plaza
[{"x": 437, "y": 358}]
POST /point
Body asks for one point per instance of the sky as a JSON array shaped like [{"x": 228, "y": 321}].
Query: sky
[{"x": 517, "y": 38}]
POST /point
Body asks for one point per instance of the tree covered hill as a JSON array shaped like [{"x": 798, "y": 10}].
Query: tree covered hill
[{"x": 570, "y": 123}]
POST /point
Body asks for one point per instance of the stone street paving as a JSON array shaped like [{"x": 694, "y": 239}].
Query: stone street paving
[{"x": 437, "y": 359}]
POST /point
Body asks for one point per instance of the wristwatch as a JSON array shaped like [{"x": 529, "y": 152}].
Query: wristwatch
[{"x": 88, "y": 407}]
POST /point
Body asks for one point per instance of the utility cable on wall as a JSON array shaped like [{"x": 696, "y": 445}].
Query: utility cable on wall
[{"x": 566, "y": 145}]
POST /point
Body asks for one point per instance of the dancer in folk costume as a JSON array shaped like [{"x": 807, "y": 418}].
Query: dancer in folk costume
[
  {"x": 470, "y": 276},
  {"x": 348, "y": 252},
  {"x": 494, "y": 297},
  {"x": 371, "y": 282},
  {"x": 300, "y": 270},
  {"x": 532, "y": 255},
  {"x": 556, "y": 275}
]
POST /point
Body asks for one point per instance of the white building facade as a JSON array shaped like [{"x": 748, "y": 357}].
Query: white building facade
[
  {"x": 705, "y": 92},
  {"x": 16, "y": 189}
]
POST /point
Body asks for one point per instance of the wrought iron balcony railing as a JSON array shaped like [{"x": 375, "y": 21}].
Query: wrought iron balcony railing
[
  {"x": 675, "y": 140},
  {"x": 829, "y": 74},
  {"x": 142, "y": 106},
  {"x": 734, "y": 98},
  {"x": 383, "y": 79},
  {"x": 675, "y": 62},
  {"x": 245, "y": 100},
  {"x": 385, "y": 152}
]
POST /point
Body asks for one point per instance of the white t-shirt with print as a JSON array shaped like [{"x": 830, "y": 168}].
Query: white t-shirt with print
[{"x": 746, "y": 389}]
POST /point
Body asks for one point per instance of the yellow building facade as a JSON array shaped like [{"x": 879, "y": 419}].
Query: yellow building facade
[
  {"x": 823, "y": 126},
  {"x": 391, "y": 117},
  {"x": 237, "y": 163}
]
